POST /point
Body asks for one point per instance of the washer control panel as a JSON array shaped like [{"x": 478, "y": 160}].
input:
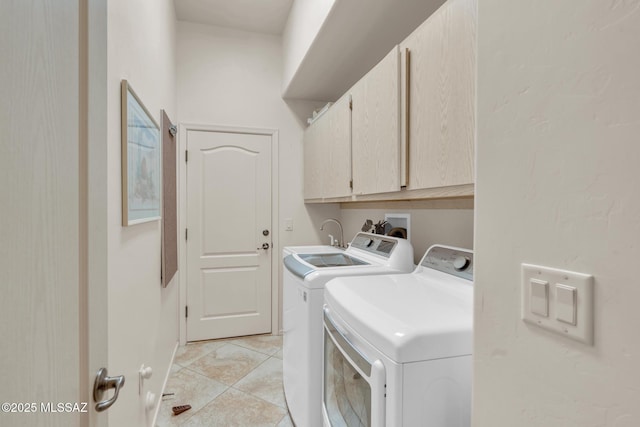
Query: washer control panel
[
  {"x": 378, "y": 245},
  {"x": 455, "y": 261}
]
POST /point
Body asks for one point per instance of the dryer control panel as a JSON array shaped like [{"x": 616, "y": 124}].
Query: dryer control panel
[
  {"x": 455, "y": 261},
  {"x": 379, "y": 245}
]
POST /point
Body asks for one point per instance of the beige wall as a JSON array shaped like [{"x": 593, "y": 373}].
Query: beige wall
[
  {"x": 557, "y": 185},
  {"x": 143, "y": 317},
  {"x": 232, "y": 78},
  {"x": 445, "y": 222}
]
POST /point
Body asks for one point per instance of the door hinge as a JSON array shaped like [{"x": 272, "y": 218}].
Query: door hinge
[
  {"x": 186, "y": 234},
  {"x": 351, "y": 184},
  {"x": 186, "y": 311},
  {"x": 350, "y": 105},
  {"x": 186, "y": 156}
]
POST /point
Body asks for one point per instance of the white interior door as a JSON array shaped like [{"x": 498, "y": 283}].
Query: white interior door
[{"x": 228, "y": 222}]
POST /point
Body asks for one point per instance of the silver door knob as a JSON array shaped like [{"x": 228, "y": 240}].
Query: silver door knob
[
  {"x": 265, "y": 246},
  {"x": 104, "y": 383}
]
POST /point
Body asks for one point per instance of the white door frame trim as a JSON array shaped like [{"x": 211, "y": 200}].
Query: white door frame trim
[{"x": 182, "y": 215}]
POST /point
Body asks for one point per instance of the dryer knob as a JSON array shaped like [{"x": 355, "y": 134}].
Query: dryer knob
[{"x": 460, "y": 263}]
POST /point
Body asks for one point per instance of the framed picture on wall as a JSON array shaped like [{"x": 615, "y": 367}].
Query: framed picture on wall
[{"x": 141, "y": 157}]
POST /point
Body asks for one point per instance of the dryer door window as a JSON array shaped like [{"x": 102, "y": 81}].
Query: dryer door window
[{"x": 347, "y": 394}]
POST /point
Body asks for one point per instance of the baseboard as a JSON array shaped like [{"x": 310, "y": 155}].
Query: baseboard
[{"x": 164, "y": 385}]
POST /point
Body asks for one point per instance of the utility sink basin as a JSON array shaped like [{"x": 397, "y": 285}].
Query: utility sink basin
[{"x": 331, "y": 260}]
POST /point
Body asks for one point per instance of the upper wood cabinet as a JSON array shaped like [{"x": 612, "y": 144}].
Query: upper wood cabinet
[
  {"x": 338, "y": 144},
  {"x": 375, "y": 122},
  {"x": 441, "y": 103},
  {"x": 327, "y": 153},
  {"x": 410, "y": 133}
]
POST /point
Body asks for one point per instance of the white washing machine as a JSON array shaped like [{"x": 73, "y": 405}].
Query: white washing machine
[
  {"x": 397, "y": 348},
  {"x": 304, "y": 277}
]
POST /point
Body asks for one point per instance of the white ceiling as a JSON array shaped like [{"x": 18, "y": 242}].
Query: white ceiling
[
  {"x": 261, "y": 16},
  {"x": 355, "y": 36}
]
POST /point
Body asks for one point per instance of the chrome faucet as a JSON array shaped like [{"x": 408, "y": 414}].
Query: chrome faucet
[{"x": 341, "y": 241}]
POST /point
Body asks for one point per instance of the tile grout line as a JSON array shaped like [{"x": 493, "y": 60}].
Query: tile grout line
[
  {"x": 200, "y": 357},
  {"x": 226, "y": 388},
  {"x": 257, "y": 397},
  {"x": 249, "y": 373},
  {"x": 285, "y": 407},
  {"x": 225, "y": 342},
  {"x": 257, "y": 351}
]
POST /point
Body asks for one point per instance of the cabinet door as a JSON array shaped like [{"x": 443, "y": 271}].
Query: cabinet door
[
  {"x": 313, "y": 160},
  {"x": 442, "y": 97},
  {"x": 338, "y": 144},
  {"x": 375, "y": 129}
]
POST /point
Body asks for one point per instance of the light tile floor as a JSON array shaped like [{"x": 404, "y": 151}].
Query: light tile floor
[{"x": 231, "y": 383}]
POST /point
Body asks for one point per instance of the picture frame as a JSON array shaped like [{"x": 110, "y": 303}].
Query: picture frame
[{"x": 141, "y": 161}]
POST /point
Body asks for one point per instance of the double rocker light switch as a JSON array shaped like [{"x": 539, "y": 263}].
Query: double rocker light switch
[
  {"x": 539, "y": 302},
  {"x": 558, "y": 300},
  {"x": 566, "y": 302}
]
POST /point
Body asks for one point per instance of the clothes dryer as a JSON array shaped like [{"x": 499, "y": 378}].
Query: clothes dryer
[{"x": 397, "y": 348}]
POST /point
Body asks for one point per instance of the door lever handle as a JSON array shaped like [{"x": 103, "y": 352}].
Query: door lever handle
[
  {"x": 104, "y": 383},
  {"x": 265, "y": 246}
]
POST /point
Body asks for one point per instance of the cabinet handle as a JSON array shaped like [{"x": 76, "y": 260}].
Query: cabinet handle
[{"x": 407, "y": 105}]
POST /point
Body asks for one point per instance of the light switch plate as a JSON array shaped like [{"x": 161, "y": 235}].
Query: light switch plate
[{"x": 582, "y": 330}]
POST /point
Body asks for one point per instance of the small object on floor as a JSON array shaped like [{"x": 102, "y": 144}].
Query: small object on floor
[{"x": 177, "y": 410}]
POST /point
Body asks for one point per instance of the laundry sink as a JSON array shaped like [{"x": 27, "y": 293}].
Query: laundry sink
[{"x": 331, "y": 260}]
